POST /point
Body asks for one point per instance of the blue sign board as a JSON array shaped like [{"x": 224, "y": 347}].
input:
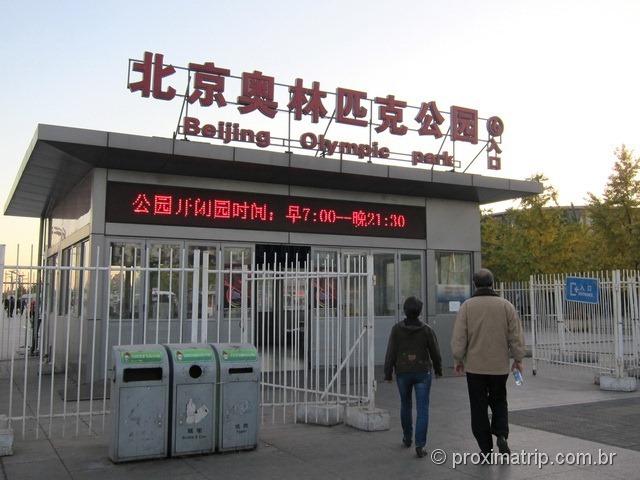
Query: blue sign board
[{"x": 584, "y": 290}]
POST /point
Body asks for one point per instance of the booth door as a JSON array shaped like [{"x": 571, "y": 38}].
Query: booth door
[
  {"x": 453, "y": 287},
  {"x": 172, "y": 314},
  {"x": 125, "y": 291},
  {"x": 411, "y": 280},
  {"x": 398, "y": 274},
  {"x": 162, "y": 310},
  {"x": 226, "y": 327},
  {"x": 208, "y": 303},
  {"x": 219, "y": 291},
  {"x": 151, "y": 294}
]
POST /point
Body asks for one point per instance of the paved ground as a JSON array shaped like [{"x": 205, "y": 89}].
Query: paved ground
[
  {"x": 607, "y": 422},
  {"x": 309, "y": 452}
]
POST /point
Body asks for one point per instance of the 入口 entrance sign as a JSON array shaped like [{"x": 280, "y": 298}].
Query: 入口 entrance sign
[
  {"x": 582, "y": 290},
  {"x": 207, "y": 87}
]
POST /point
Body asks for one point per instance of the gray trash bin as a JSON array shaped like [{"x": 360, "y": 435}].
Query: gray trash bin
[
  {"x": 193, "y": 398},
  {"x": 239, "y": 396},
  {"x": 139, "y": 402}
]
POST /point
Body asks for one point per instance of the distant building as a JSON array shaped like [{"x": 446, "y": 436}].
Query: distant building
[{"x": 571, "y": 213}]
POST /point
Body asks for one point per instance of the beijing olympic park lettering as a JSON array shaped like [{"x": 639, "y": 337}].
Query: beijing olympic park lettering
[{"x": 207, "y": 88}]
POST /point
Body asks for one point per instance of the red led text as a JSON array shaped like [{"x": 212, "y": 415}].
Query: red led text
[
  {"x": 191, "y": 207},
  {"x": 357, "y": 218}
]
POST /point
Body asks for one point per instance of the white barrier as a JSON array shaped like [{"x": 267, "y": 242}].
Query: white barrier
[
  {"x": 602, "y": 337},
  {"x": 310, "y": 318}
]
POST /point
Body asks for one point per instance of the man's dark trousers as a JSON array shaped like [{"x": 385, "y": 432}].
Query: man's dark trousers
[{"x": 488, "y": 391}]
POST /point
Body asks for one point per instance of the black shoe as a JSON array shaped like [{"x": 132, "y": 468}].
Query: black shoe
[
  {"x": 421, "y": 452},
  {"x": 406, "y": 443},
  {"x": 503, "y": 446}
]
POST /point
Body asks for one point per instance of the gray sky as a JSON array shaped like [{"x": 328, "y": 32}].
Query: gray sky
[{"x": 562, "y": 75}]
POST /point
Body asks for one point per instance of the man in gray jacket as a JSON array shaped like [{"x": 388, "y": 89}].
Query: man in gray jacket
[{"x": 486, "y": 331}]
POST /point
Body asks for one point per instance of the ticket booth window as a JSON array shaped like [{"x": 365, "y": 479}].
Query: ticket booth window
[
  {"x": 324, "y": 289},
  {"x": 411, "y": 277},
  {"x": 63, "y": 303},
  {"x": 453, "y": 284},
  {"x": 235, "y": 260},
  {"x": 125, "y": 279},
  {"x": 384, "y": 269},
  {"x": 212, "y": 280}
]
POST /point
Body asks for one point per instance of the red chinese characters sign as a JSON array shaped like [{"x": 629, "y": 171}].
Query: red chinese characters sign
[
  {"x": 178, "y": 206},
  {"x": 207, "y": 87}
]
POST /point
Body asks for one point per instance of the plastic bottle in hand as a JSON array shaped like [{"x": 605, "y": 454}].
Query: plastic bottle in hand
[{"x": 517, "y": 376}]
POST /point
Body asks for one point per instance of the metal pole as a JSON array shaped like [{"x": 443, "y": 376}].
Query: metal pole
[
  {"x": 632, "y": 292},
  {"x": 204, "y": 313},
  {"x": 244, "y": 306},
  {"x": 560, "y": 318},
  {"x": 371, "y": 382},
  {"x": 194, "y": 297},
  {"x": 618, "y": 326},
  {"x": 532, "y": 304},
  {"x": 36, "y": 315}
]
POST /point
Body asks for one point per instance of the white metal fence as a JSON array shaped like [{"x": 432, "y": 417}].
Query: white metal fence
[
  {"x": 311, "y": 320},
  {"x": 518, "y": 294},
  {"x": 603, "y": 337}
]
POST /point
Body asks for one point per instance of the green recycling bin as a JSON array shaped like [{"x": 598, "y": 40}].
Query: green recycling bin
[
  {"x": 193, "y": 399},
  {"x": 139, "y": 403},
  {"x": 239, "y": 404}
]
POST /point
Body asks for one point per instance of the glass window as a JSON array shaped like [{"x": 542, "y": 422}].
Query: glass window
[
  {"x": 50, "y": 286},
  {"x": 235, "y": 258},
  {"x": 324, "y": 290},
  {"x": 411, "y": 278},
  {"x": 75, "y": 282},
  {"x": 86, "y": 273},
  {"x": 453, "y": 280},
  {"x": 164, "y": 280},
  {"x": 356, "y": 289},
  {"x": 125, "y": 282},
  {"x": 384, "y": 269},
  {"x": 212, "y": 295},
  {"x": 63, "y": 297}
]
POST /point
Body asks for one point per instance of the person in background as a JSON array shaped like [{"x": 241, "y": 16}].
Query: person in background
[
  {"x": 413, "y": 351},
  {"x": 487, "y": 329}
]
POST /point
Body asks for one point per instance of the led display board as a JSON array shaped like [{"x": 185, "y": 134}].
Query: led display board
[{"x": 193, "y": 207}]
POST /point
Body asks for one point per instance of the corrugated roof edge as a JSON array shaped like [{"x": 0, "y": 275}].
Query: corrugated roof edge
[{"x": 170, "y": 146}]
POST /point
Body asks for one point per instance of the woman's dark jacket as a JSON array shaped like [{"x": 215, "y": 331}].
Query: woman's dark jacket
[{"x": 412, "y": 347}]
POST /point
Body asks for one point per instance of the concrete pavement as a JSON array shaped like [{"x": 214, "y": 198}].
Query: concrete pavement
[{"x": 310, "y": 452}]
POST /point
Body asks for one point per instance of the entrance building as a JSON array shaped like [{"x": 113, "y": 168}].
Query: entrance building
[{"x": 171, "y": 205}]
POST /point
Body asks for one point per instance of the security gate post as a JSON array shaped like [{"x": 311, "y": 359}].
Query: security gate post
[
  {"x": 195, "y": 296},
  {"x": 371, "y": 380},
  {"x": 534, "y": 319},
  {"x": 244, "y": 306},
  {"x": 204, "y": 295},
  {"x": 618, "y": 325},
  {"x": 560, "y": 318}
]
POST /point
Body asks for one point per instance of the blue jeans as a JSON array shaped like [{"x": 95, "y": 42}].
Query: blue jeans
[{"x": 422, "y": 384}]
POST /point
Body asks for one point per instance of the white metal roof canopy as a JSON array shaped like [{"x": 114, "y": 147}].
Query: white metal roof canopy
[{"x": 60, "y": 157}]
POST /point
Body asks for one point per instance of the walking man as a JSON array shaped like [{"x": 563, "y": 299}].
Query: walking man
[
  {"x": 412, "y": 352},
  {"x": 486, "y": 331}
]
